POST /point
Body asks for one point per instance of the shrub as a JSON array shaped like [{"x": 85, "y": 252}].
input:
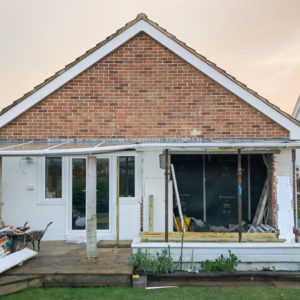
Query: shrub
[
  {"x": 146, "y": 263},
  {"x": 222, "y": 263}
]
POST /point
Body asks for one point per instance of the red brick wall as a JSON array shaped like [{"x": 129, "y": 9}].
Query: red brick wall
[{"x": 142, "y": 90}]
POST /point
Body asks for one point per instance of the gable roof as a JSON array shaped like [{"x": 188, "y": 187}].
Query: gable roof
[
  {"x": 296, "y": 111},
  {"x": 143, "y": 24}
]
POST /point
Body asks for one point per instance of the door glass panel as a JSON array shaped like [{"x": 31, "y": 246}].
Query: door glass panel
[
  {"x": 102, "y": 193},
  {"x": 78, "y": 193},
  {"x": 127, "y": 176}
]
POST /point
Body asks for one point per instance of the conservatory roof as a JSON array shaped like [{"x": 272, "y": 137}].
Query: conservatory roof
[{"x": 86, "y": 147}]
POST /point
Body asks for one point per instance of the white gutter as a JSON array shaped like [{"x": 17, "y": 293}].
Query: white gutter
[{"x": 154, "y": 146}]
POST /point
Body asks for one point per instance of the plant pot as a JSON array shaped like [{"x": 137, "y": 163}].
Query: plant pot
[{"x": 139, "y": 281}]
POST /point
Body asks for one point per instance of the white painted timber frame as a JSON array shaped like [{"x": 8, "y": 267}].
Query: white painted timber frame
[{"x": 144, "y": 26}]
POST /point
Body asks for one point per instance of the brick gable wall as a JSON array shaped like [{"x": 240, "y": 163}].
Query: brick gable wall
[{"x": 142, "y": 90}]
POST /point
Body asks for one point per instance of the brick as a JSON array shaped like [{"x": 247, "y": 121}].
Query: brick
[{"x": 142, "y": 90}]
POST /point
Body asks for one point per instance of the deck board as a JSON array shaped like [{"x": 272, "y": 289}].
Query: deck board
[{"x": 61, "y": 258}]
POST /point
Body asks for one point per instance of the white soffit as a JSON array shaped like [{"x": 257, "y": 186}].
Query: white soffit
[{"x": 143, "y": 26}]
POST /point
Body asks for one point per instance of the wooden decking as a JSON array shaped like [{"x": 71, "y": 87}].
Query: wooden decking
[
  {"x": 211, "y": 237},
  {"x": 61, "y": 264}
]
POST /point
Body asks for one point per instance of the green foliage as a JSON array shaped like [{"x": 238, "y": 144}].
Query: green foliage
[
  {"x": 192, "y": 267},
  {"x": 146, "y": 263},
  {"x": 222, "y": 263}
]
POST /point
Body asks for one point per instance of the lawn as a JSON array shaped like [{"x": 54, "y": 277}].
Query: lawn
[{"x": 115, "y": 293}]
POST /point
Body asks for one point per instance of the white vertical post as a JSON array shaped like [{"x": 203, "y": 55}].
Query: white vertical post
[{"x": 91, "y": 200}]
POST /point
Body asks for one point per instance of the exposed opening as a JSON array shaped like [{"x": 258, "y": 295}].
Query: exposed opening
[{"x": 207, "y": 186}]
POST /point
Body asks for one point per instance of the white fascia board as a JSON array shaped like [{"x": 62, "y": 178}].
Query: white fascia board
[
  {"x": 296, "y": 111},
  {"x": 186, "y": 55}
]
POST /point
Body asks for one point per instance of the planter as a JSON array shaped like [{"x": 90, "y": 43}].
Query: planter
[{"x": 139, "y": 281}]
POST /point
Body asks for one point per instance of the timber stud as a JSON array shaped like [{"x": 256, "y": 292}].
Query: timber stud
[
  {"x": 166, "y": 196},
  {"x": 239, "y": 173}
]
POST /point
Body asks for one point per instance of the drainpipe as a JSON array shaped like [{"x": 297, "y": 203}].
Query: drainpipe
[
  {"x": 239, "y": 173},
  {"x": 166, "y": 196}
]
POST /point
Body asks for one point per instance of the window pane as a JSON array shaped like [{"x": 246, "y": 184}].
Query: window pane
[
  {"x": 78, "y": 193},
  {"x": 102, "y": 193},
  {"x": 127, "y": 176},
  {"x": 53, "y": 177}
]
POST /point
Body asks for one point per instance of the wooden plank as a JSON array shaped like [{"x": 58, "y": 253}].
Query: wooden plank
[
  {"x": 19, "y": 286},
  {"x": 177, "y": 197},
  {"x": 91, "y": 200},
  {"x": 151, "y": 213},
  {"x": 10, "y": 279},
  {"x": 118, "y": 203},
  {"x": 239, "y": 175},
  {"x": 192, "y": 235},
  {"x": 213, "y": 240},
  {"x": 166, "y": 195},
  {"x": 56, "y": 280},
  {"x": 258, "y": 217}
]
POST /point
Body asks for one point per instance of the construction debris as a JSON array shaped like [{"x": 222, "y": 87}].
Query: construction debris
[
  {"x": 262, "y": 228},
  {"x": 13, "y": 243},
  {"x": 16, "y": 258}
]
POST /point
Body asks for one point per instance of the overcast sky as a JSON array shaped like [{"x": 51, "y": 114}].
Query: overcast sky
[{"x": 257, "y": 41}]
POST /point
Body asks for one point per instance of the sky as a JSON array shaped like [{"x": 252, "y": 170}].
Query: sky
[{"x": 257, "y": 41}]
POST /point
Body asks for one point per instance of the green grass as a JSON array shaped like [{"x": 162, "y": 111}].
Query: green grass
[{"x": 115, "y": 293}]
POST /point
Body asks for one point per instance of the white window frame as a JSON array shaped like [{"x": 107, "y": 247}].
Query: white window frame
[
  {"x": 131, "y": 199},
  {"x": 43, "y": 198},
  {"x": 101, "y": 233}
]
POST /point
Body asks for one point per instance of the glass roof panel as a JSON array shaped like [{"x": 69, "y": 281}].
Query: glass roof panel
[
  {"x": 31, "y": 146},
  {"x": 8, "y": 144},
  {"x": 77, "y": 145},
  {"x": 117, "y": 144}
]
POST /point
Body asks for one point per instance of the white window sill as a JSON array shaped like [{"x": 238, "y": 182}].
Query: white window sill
[{"x": 52, "y": 202}]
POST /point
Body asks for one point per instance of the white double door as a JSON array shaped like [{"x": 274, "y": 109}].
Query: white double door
[{"x": 105, "y": 189}]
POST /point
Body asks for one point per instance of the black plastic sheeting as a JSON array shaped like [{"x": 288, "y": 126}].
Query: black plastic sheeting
[{"x": 221, "y": 186}]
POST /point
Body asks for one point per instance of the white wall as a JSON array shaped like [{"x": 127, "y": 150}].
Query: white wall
[
  {"x": 154, "y": 184},
  {"x": 22, "y": 202},
  {"x": 284, "y": 194}
]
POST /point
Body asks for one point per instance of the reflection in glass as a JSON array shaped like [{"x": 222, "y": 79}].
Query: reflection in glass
[
  {"x": 102, "y": 193},
  {"x": 53, "y": 173},
  {"x": 127, "y": 176},
  {"x": 78, "y": 193}
]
